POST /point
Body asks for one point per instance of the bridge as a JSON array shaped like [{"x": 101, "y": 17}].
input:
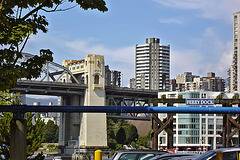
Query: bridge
[{"x": 81, "y": 84}]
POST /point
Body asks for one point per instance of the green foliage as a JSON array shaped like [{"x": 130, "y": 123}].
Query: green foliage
[
  {"x": 180, "y": 97},
  {"x": 236, "y": 96},
  {"x": 5, "y": 121},
  {"x": 134, "y": 144},
  {"x": 51, "y": 146},
  {"x": 111, "y": 139},
  {"x": 121, "y": 136},
  {"x": 219, "y": 97},
  {"x": 34, "y": 133},
  {"x": 120, "y": 132},
  {"x": 119, "y": 147},
  {"x": 7, "y": 98},
  {"x": 163, "y": 96},
  {"x": 131, "y": 134},
  {"x": 18, "y": 21},
  {"x": 51, "y": 132},
  {"x": 144, "y": 140}
]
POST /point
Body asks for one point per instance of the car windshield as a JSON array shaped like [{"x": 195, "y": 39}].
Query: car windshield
[{"x": 205, "y": 155}]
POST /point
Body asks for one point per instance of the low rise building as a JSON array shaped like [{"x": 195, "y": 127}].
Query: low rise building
[{"x": 195, "y": 132}]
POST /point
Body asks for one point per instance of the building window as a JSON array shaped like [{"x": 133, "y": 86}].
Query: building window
[{"x": 96, "y": 79}]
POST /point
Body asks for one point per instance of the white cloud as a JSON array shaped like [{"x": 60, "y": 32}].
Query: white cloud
[
  {"x": 213, "y": 9},
  {"x": 185, "y": 61},
  {"x": 193, "y": 61},
  {"x": 171, "y": 20},
  {"x": 224, "y": 61},
  {"x": 121, "y": 59},
  {"x": 210, "y": 54}
]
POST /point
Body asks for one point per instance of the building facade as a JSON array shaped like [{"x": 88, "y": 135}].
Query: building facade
[
  {"x": 152, "y": 66},
  {"x": 195, "y": 132},
  {"x": 186, "y": 77},
  {"x": 234, "y": 76},
  {"x": 187, "y": 82},
  {"x": 132, "y": 83},
  {"x": 112, "y": 77}
]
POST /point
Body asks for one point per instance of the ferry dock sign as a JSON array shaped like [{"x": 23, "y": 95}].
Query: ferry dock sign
[{"x": 200, "y": 102}]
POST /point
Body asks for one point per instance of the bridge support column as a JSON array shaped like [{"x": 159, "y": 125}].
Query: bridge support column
[
  {"x": 93, "y": 129},
  {"x": 18, "y": 134},
  {"x": 69, "y": 126}
]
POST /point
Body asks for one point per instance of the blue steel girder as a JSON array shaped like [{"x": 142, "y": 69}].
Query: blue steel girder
[{"x": 119, "y": 109}]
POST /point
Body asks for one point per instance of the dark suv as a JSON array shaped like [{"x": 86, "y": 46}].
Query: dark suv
[{"x": 141, "y": 154}]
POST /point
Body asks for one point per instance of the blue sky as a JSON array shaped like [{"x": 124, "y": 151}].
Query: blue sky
[{"x": 198, "y": 31}]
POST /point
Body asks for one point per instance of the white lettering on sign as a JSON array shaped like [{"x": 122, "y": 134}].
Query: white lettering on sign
[{"x": 200, "y": 102}]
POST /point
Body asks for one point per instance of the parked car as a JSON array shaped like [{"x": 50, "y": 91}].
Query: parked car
[
  {"x": 185, "y": 158},
  {"x": 228, "y": 154},
  {"x": 141, "y": 154},
  {"x": 175, "y": 156}
]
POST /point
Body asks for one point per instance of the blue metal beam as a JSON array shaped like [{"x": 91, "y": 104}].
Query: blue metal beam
[{"x": 117, "y": 109}]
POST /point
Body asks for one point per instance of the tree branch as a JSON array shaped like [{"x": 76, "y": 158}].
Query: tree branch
[
  {"x": 24, "y": 43},
  {"x": 33, "y": 11},
  {"x": 55, "y": 9}
]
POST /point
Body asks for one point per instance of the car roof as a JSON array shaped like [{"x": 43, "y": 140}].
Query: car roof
[
  {"x": 213, "y": 152},
  {"x": 143, "y": 150},
  {"x": 175, "y": 154},
  {"x": 185, "y": 158},
  {"x": 226, "y": 149}
]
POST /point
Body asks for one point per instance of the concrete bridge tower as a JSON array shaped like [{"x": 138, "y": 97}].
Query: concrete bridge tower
[
  {"x": 93, "y": 131},
  {"x": 84, "y": 130}
]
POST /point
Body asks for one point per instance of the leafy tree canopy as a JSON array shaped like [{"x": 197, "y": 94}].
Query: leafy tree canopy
[
  {"x": 18, "y": 20},
  {"x": 51, "y": 132},
  {"x": 121, "y": 136},
  {"x": 35, "y": 137},
  {"x": 131, "y": 133}
]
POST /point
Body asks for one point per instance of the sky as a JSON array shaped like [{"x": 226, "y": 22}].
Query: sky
[{"x": 199, "y": 33}]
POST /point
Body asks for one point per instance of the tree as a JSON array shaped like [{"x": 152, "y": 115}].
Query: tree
[
  {"x": 35, "y": 136},
  {"x": 110, "y": 133},
  {"x": 121, "y": 136},
  {"x": 131, "y": 134},
  {"x": 144, "y": 140},
  {"x": 7, "y": 98},
  {"x": 51, "y": 132},
  {"x": 20, "y": 19}
]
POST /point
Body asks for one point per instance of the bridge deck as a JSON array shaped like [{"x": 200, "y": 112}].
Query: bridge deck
[{"x": 49, "y": 88}]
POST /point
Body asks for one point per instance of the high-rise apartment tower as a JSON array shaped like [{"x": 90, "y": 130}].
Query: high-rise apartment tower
[
  {"x": 234, "y": 71},
  {"x": 152, "y": 67}
]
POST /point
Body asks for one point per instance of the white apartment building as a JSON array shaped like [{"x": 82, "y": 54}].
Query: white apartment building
[
  {"x": 195, "y": 132},
  {"x": 234, "y": 74},
  {"x": 152, "y": 66}
]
